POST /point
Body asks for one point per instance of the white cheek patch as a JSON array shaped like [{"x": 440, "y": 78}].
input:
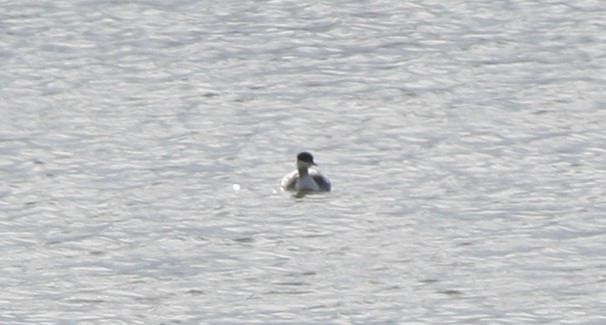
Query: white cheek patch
[{"x": 302, "y": 164}]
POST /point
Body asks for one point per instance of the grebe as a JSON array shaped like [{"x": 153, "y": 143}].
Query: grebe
[{"x": 305, "y": 179}]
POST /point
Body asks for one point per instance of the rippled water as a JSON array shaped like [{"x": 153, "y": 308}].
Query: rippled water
[{"x": 142, "y": 145}]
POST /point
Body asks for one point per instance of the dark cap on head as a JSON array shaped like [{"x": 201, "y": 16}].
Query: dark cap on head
[{"x": 306, "y": 157}]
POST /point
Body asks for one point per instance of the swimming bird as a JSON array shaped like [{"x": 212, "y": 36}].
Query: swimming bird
[{"x": 304, "y": 178}]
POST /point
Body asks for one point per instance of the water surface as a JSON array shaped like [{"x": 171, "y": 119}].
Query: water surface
[{"x": 142, "y": 145}]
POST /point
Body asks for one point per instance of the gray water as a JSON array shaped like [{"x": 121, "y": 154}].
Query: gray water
[{"x": 142, "y": 145}]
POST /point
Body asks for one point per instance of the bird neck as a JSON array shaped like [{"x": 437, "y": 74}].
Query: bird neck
[{"x": 303, "y": 171}]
